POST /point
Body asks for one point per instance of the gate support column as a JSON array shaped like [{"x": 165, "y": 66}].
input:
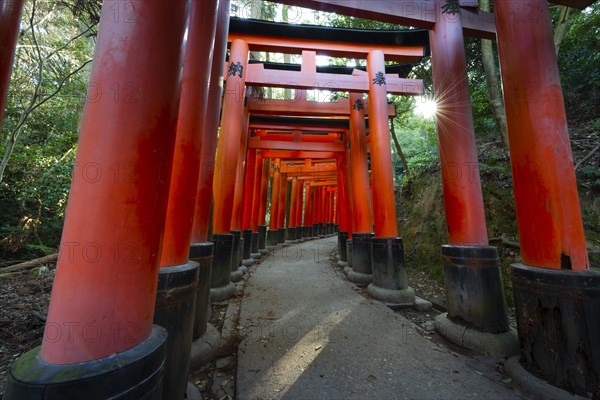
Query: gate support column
[
  {"x": 99, "y": 324},
  {"x": 239, "y": 238},
  {"x": 273, "y": 235},
  {"x": 178, "y": 275},
  {"x": 474, "y": 291},
  {"x": 554, "y": 277},
  {"x": 291, "y": 231},
  {"x": 255, "y": 206},
  {"x": 246, "y": 189},
  {"x": 299, "y": 227},
  {"x": 343, "y": 210},
  {"x": 262, "y": 210},
  {"x": 10, "y": 18},
  {"x": 281, "y": 209},
  {"x": 389, "y": 272},
  {"x": 361, "y": 272},
  {"x": 226, "y": 171},
  {"x": 201, "y": 250}
]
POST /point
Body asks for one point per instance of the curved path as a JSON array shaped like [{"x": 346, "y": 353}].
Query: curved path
[{"x": 308, "y": 335}]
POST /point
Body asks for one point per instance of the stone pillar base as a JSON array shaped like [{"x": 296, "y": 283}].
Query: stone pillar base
[
  {"x": 538, "y": 388},
  {"x": 133, "y": 374},
  {"x": 222, "y": 293},
  {"x": 236, "y": 276},
  {"x": 395, "y": 297},
  {"x": 221, "y": 287},
  {"x": 202, "y": 253},
  {"x": 262, "y": 238},
  {"x": 237, "y": 273},
  {"x": 247, "y": 249},
  {"x": 359, "y": 278},
  {"x": 254, "y": 253},
  {"x": 272, "y": 237},
  {"x": 389, "y": 273},
  {"x": 474, "y": 290},
  {"x": 361, "y": 273},
  {"x": 342, "y": 248},
  {"x": 322, "y": 230},
  {"x": 192, "y": 392},
  {"x": 558, "y": 321},
  {"x": 291, "y": 234},
  {"x": 174, "y": 310},
  {"x": 281, "y": 235},
  {"x": 348, "y": 266},
  {"x": 204, "y": 348},
  {"x": 502, "y": 344}
]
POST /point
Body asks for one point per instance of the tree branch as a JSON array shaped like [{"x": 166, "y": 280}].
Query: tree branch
[{"x": 587, "y": 157}]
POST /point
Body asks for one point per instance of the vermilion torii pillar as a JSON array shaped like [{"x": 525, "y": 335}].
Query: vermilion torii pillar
[
  {"x": 299, "y": 203},
  {"x": 239, "y": 241},
  {"x": 281, "y": 209},
  {"x": 554, "y": 277},
  {"x": 293, "y": 204},
  {"x": 262, "y": 212},
  {"x": 103, "y": 298},
  {"x": 247, "y": 198},
  {"x": 209, "y": 132},
  {"x": 201, "y": 250},
  {"x": 343, "y": 205},
  {"x": 389, "y": 272},
  {"x": 474, "y": 291},
  {"x": 359, "y": 175},
  {"x": 177, "y": 273},
  {"x": 255, "y": 205},
  {"x": 273, "y": 235},
  {"x": 226, "y": 171},
  {"x": 306, "y": 224},
  {"x": 10, "y": 18}
]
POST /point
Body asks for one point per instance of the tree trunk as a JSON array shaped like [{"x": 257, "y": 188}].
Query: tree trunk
[
  {"x": 399, "y": 148},
  {"x": 561, "y": 26},
  {"x": 287, "y": 58},
  {"x": 493, "y": 81}
]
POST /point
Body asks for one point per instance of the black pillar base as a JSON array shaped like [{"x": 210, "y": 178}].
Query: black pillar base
[
  {"x": 221, "y": 287},
  {"x": 174, "y": 310},
  {"x": 558, "y": 322},
  {"x": 290, "y": 234},
  {"x": 254, "y": 252},
  {"x": 361, "y": 272},
  {"x": 247, "y": 252},
  {"x": 389, "y": 273},
  {"x": 342, "y": 248},
  {"x": 262, "y": 237},
  {"x": 272, "y": 238},
  {"x": 315, "y": 230},
  {"x": 281, "y": 235},
  {"x": 136, "y": 373},
  {"x": 348, "y": 266},
  {"x": 202, "y": 253},
  {"x": 474, "y": 291},
  {"x": 235, "y": 274},
  {"x": 322, "y": 230}
]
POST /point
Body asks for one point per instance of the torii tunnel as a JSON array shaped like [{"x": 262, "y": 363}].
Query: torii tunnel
[{"x": 195, "y": 181}]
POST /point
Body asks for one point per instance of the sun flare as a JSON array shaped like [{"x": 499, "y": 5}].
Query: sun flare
[{"x": 425, "y": 107}]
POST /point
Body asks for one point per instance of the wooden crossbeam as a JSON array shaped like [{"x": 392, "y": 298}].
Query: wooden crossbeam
[
  {"x": 257, "y": 42},
  {"x": 257, "y": 75}
]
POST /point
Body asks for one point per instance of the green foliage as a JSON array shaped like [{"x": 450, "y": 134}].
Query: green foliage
[
  {"x": 579, "y": 61},
  {"x": 44, "y": 105}
]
